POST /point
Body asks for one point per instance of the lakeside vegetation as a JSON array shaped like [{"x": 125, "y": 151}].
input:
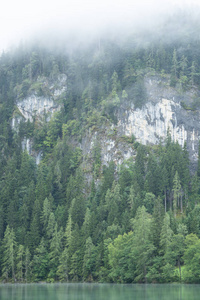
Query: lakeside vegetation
[{"x": 139, "y": 222}]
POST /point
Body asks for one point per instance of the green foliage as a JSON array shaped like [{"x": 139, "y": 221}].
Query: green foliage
[
  {"x": 191, "y": 258},
  {"x": 89, "y": 260},
  {"x": 120, "y": 258},
  {"x": 71, "y": 128},
  {"x": 109, "y": 235},
  {"x": 138, "y": 93},
  {"x": 176, "y": 192},
  {"x": 20, "y": 263},
  {"x": 40, "y": 262},
  {"x": 9, "y": 254},
  {"x": 143, "y": 250}
]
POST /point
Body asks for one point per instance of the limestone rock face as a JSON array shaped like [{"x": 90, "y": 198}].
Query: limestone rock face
[
  {"x": 161, "y": 113},
  {"x": 113, "y": 147},
  {"x": 39, "y": 106},
  {"x": 35, "y": 105},
  {"x": 149, "y": 126}
]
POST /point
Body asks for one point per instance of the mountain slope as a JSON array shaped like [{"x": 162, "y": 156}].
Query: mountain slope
[{"x": 99, "y": 168}]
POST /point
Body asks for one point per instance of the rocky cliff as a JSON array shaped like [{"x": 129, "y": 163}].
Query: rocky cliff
[
  {"x": 42, "y": 99},
  {"x": 40, "y": 104},
  {"x": 149, "y": 125},
  {"x": 162, "y": 112}
]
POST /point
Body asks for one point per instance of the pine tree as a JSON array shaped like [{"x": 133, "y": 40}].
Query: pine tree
[
  {"x": 139, "y": 167},
  {"x": 55, "y": 252},
  {"x": 9, "y": 254},
  {"x": 143, "y": 247},
  {"x": 45, "y": 214},
  {"x": 195, "y": 184},
  {"x": 51, "y": 225},
  {"x": 63, "y": 267},
  {"x": 20, "y": 264},
  {"x": 40, "y": 262},
  {"x": 76, "y": 252},
  {"x": 27, "y": 265},
  {"x": 174, "y": 69},
  {"x": 183, "y": 65},
  {"x": 157, "y": 222},
  {"x": 176, "y": 192},
  {"x": 86, "y": 228},
  {"x": 113, "y": 204},
  {"x": 89, "y": 260},
  {"x": 64, "y": 260},
  {"x": 74, "y": 267},
  {"x": 27, "y": 169},
  {"x": 35, "y": 227},
  {"x": 166, "y": 234},
  {"x": 193, "y": 73},
  {"x": 164, "y": 185},
  {"x": 13, "y": 211}
]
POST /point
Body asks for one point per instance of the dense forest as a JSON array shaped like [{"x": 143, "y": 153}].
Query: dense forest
[{"x": 135, "y": 222}]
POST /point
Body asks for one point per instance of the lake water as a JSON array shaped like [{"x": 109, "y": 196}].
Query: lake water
[{"x": 72, "y": 291}]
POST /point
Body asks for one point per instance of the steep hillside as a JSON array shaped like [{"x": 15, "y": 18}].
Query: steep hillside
[
  {"x": 166, "y": 109},
  {"x": 99, "y": 161}
]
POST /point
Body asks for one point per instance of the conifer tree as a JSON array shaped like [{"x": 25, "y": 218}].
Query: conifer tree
[
  {"x": 166, "y": 234},
  {"x": 143, "y": 247},
  {"x": 55, "y": 252},
  {"x": 51, "y": 225},
  {"x": 64, "y": 260},
  {"x": 176, "y": 192},
  {"x": 27, "y": 264},
  {"x": 157, "y": 222},
  {"x": 174, "y": 69},
  {"x": 9, "y": 254},
  {"x": 193, "y": 73},
  {"x": 86, "y": 228},
  {"x": 45, "y": 213},
  {"x": 20, "y": 263},
  {"x": 139, "y": 166},
  {"x": 74, "y": 267},
  {"x": 89, "y": 260},
  {"x": 40, "y": 262},
  {"x": 35, "y": 228}
]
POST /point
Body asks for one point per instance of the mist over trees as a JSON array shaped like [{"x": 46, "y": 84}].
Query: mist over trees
[{"x": 138, "y": 222}]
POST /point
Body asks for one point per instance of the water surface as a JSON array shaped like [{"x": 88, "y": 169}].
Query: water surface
[{"x": 73, "y": 291}]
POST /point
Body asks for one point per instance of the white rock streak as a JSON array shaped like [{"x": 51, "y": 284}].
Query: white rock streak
[
  {"x": 151, "y": 123},
  {"x": 34, "y": 105}
]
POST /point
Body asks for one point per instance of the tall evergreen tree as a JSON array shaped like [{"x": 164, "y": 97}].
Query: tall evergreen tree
[
  {"x": 143, "y": 247},
  {"x": 9, "y": 254}
]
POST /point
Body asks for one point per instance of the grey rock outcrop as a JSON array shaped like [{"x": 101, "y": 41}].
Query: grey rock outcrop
[
  {"x": 161, "y": 113},
  {"x": 39, "y": 107}
]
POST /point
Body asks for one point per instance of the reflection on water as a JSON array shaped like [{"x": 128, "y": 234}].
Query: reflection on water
[{"x": 73, "y": 291}]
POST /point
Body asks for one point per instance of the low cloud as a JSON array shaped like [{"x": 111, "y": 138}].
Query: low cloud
[{"x": 22, "y": 20}]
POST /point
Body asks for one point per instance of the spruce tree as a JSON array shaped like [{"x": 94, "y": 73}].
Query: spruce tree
[
  {"x": 176, "y": 192},
  {"x": 20, "y": 263},
  {"x": 89, "y": 260},
  {"x": 9, "y": 254}
]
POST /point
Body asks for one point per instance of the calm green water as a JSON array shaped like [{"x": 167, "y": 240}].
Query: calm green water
[{"x": 73, "y": 291}]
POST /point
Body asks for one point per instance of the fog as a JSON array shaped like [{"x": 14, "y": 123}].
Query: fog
[{"x": 21, "y": 21}]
